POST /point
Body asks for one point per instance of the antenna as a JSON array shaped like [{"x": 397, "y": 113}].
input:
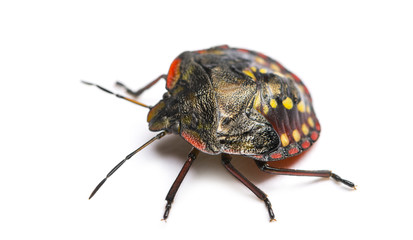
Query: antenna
[
  {"x": 159, "y": 136},
  {"x": 117, "y": 95}
]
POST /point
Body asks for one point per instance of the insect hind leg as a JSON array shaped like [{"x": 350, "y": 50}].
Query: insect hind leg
[
  {"x": 311, "y": 173},
  {"x": 226, "y": 160},
  {"x": 140, "y": 91}
]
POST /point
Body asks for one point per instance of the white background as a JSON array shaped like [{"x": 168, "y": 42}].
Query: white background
[{"x": 59, "y": 137}]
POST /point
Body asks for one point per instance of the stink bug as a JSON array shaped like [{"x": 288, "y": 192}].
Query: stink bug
[{"x": 228, "y": 101}]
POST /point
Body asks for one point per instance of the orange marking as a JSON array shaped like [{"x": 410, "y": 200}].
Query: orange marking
[
  {"x": 305, "y": 144},
  {"x": 262, "y": 55},
  {"x": 193, "y": 141},
  {"x": 173, "y": 74},
  {"x": 243, "y": 50},
  {"x": 293, "y": 151},
  {"x": 276, "y": 155},
  {"x": 314, "y": 135},
  {"x": 295, "y": 77},
  {"x": 317, "y": 126}
]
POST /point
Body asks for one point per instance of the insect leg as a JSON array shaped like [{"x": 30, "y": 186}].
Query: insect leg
[
  {"x": 175, "y": 186},
  {"x": 312, "y": 173},
  {"x": 140, "y": 91},
  {"x": 226, "y": 160}
]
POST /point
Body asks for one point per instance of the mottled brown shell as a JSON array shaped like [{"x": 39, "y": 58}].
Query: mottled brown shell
[{"x": 236, "y": 101}]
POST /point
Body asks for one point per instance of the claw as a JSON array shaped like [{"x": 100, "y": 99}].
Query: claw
[
  {"x": 167, "y": 209},
  {"x": 270, "y": 211},
  {"x": 344, "y": 181}
]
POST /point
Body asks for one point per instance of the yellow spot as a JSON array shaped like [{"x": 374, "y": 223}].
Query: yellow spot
[
  {"x": 217, "y": 52},
  {"x": 265, "y": 109},
  {"x": 301, "y": 88},
  {"x": 304, "y": 128},
  {"x": 254, "y": 69},
  {"x": 310, "y": 122},
  {"x": 289, "y": 76},
  {"x": 284, "y": 140},
  {"x": 263, "y": 70},
  {"x": 249, "y": 73},
  {"x": 275, "y": 67},
  {"x": 260, "y": 60},
  {"x": 257, "y": 102},
  {"x": 300, "y": 106},
  {"x": 296, "y": 135},
  {"x": 288, "y": 103},
  {"x": 308, "y": 109},
  {"x": 279, "y": 74},
  {"x": 273, "y": 103}
]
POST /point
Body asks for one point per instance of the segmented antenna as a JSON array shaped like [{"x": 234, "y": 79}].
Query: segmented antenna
[
  {"x": 159, "y": 136},
  {"x": 117, "y": 95}
]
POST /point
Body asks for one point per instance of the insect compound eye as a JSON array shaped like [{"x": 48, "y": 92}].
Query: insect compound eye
[
  {"x": 176, "y": 128},
  {"x": 166, "y": 95}
]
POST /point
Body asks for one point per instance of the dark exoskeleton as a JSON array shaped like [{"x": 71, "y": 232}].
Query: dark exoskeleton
[{"x": 234, "y": 101}]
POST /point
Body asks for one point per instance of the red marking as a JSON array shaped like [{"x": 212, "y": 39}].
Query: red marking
[
  {"x": 258, "y": 156},
  {"x": 293, "y": 151},
  {"x": 173, "y": 74},
  {"x": 314, "y": 135},
  {"x": 280, "y": 66},
  {"x": 262, "y": 55},
  {"x": 243, "y": 50},
  {"x": 295, "y": 77},
  {"x": 306, "y": 90},
  {"x": 201, "y": 51},
  {"x": 305, "y": 144},
  {"x": 276, "y": 155},
  {"x": 317, "y": 126},
  {"x": 193, "y": 141},
  {"x": 224, "y": 47}
]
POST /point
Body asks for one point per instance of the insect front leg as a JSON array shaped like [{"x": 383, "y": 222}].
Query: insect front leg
[
  {"x": 226, "y": 160},
  {"x": 140, "y": 91},
  {"x": 175, "y": 186},
  {"x": 311, "y": 173}
]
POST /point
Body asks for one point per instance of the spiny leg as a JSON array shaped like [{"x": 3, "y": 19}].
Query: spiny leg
[
  {"x": 226, "y": 160},
  {"x": 140, "y": 91},
  {"x": 175, "y": 186},
  {"x": 312, "y": 173},
  {"x": 159, "y": 136}
]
